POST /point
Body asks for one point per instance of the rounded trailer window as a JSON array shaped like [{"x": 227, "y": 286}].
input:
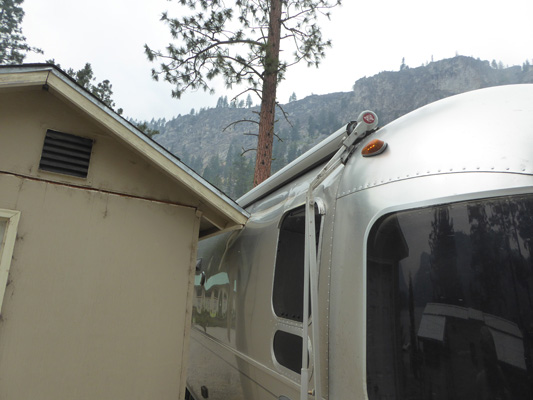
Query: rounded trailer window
[{"x": 450, "y": 302}]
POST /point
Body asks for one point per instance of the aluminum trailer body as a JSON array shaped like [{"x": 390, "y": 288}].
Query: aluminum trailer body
[{"x": 423, "y": 285}]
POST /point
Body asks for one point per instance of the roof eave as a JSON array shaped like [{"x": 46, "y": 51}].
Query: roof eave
[{"x": 222, "y": 212}]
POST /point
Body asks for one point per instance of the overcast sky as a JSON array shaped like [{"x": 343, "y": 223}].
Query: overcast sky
[{"x": 368, "y": 37}]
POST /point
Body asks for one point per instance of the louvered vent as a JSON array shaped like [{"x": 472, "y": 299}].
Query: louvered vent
[{"x": 66, "y": 154}]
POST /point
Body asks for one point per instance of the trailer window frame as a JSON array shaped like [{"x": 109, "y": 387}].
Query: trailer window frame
[
  {"x": 445, "y": 228},
  {"x": 287, "y": 301}
]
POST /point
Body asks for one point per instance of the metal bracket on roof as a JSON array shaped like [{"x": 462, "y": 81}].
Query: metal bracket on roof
[{"x": 357, "y": 130}]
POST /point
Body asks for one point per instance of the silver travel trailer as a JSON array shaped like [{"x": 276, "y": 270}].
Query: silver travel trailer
[{"x": 390, "y": 263}]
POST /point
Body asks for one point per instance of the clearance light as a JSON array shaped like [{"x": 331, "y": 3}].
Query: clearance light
[{"x": 373, "y": 148}]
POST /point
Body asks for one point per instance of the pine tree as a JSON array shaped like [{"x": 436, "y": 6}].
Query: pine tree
[
  {"x": 278, "y": 155},
  {"x": 293, "y": 152},
  {"x": 403, "y": 65},
  {"x": 143, "y": 126},
  {"x": 249, "y": 102},
  {"x": 245, "y": 171},
  {"x": 85, "y": 78},
  {"x": 212, "y": 171},
  {"x": 13, "y": 46},
  {"x": 250, "y": 54}
]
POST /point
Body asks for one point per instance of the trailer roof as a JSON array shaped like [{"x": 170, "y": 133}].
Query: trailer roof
[
  {"x": 468, "y": 116},
  {"x": 315, "y": 156}
]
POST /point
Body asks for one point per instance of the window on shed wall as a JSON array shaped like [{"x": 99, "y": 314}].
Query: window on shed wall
[{"x": 8, "y": 232}]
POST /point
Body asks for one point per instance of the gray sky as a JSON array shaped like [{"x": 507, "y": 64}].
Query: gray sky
[{"x": 368, "y": 37}]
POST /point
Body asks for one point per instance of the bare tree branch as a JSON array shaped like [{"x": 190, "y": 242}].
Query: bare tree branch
[
  {"x": 285, "y": 114},
  {"x": 247, "y": 150},
  {"x": 234, "y": 123}
]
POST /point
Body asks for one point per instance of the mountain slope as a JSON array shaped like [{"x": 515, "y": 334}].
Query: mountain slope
[{"x": 203, "y": 143}]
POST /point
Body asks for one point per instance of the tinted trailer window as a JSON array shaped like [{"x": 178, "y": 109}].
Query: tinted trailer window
[{"x": 450, "y": 302}]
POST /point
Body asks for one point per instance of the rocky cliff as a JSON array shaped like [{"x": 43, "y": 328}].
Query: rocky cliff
[{"x": 208, "y": 142}]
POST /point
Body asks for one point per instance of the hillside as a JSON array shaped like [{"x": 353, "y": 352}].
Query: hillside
[{"x": 203, "y": 143}]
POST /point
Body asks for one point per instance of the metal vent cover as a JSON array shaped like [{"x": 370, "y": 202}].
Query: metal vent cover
[{"x": 66, "y": 154}]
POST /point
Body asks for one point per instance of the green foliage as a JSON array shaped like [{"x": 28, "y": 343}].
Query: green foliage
[
  {"x": 143, "y": 126},
  {"x": 237, "y": 173},
  {"x": 222, "y": 102},
  {"x": 85, "y": 78},
  {"x": 403, "y": 66},
  {"x": 312, "y": 127},
  {"x": 241, "y": 43},
  {"x": 293, "y": 97},
  {"x": 152, "y": 128},
  {"x": 293, "y": 152},
  {"x": 322, "y": 124},
  {"x": 294, "y": 132},
  {"x": 13, "y": 46},
  {"x": 497, "y": 65},
  {"x": 249, "y": 102},
  {"x": 231, "y": 42},
  {"x": 212, "y": 171},
  {"x": 279, "y": 160},
  {"x": 234, "y": 176}
]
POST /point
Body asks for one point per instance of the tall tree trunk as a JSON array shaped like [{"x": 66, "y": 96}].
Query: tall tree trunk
[{"x": 268, "y": 102}]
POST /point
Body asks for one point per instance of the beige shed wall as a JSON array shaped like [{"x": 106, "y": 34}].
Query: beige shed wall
[
  {"x": 94, "y": 304},
  {"x": 26, "y": 115}
]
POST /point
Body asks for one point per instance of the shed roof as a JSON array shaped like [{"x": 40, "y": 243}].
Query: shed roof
[{"x": 219, "y": 212}]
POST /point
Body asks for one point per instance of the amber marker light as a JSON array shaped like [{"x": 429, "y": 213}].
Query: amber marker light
[{"x": 373, "y": 148}]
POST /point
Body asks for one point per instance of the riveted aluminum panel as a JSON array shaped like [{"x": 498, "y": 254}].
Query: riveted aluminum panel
[{"x": 489, "y": 130}]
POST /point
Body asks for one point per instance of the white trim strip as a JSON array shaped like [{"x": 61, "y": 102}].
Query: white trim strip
[{"x": 7, "y": 245}]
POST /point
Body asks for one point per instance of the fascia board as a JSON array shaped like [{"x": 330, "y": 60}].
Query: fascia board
[
  {"x": 215, "y": 206},
  {"x": 22, "y": 79}
]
